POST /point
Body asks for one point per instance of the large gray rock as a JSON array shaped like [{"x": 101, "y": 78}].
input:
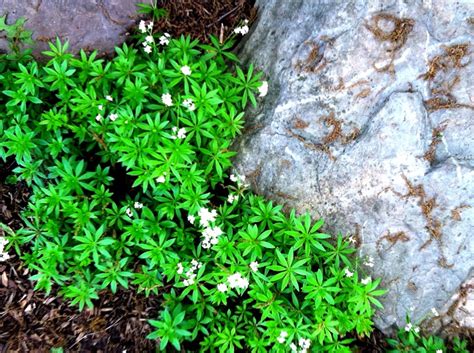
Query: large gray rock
[
  {"x": 369, "y": 124},
  {"x": 93, "y": 24}
]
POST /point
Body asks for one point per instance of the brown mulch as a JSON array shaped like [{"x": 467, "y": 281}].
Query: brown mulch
[{"x": 201, "y": 18}]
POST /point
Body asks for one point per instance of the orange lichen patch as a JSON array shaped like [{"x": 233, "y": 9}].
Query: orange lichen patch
[
  {"x": 340, "y": 85},
  {"x": 392, "y": 239},
  {"x": 436, "y": 135},
  {"x": 449, "y": 64},
  {"x": 336, "y": 132},
  {"x": 356, "y": 238},
  {"x": 299, "y": 124},
  {"x": 451, "y": 58},
  {"x": 456, "y": 213},
  {"x": 397, "y": 37},
  {"x": 351, "y": 137},
  {"x": 312, "y": 146},
  {"x": 364, "y": 93},
  {"x": 427, "y": 205},
  {"x": 358, "y": 83},
  {"x": 315, "y": 60}
]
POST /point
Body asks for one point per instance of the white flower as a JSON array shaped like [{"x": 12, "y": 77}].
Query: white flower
[
  {"x": 283, "y": 334},
  {"x": 164, "y": 39},
  {"x": 206, "y": 216},
  {"x": 369, "y": 262},
  {"x": 408, "y": 327},
  {"x": 231, "y": 198},
  {"x": 348, "y": 273},
  {"x": 293, "y": 347},
  {"x": 254, "y": 266},
  {"x": 237, "y": 281},
  {"x": 439, "y": 351},
  {"x": 138, "y": 204},
  {"x": 113, "y": 116},
  {"x": 129, "y": 212},
  {"x": 181, "y": 133},
  {"x": 196, "y": 264},
  {"x": 98, "y": 117},
  {"x": 148, "y": 49},
  {"x": 188, "y": 103},
  {"x": 150, "y": 25},
  {"x": 4, "y": 257},
  {"x": 304, "y": 343},
  {"x": 142, "y": 26},
  {"x": 242, "y": 30},
  {"x": 434, "y": 311},
  {"x": 352, "y": 240},
  {"x": 186, "y": 70},
  {"x": 166, "y": 99},
  {"x": 211, "y": 236},
  {"x": 188, "y": 282},
  {"x": 233, "y": 178},
  {"x": 222, "y": 287},
  {"x": 416, "y": 329},
  {"x": 100, "y": 107},
  {"x": 366, "y": 280},
  {"x": 109, "y": 98},
  {"x": 160, "y": 179},
  {"x": 263, "y": 89},
  {"x": 149, "y": 39},
  {"x": 180, "y": 268},
  {"x": 281, "y": 339},
  {"x": 191, "y": 219}
]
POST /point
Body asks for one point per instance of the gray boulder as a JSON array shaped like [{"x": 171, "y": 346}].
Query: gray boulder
[
  {"x": 369, "y": 124},
  {"x": 89, "y": 24}
]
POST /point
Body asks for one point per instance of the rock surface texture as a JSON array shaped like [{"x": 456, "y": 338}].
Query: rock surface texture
[
  {"x": 95, "y": 24},
  {"x": 369, "y": 124}
]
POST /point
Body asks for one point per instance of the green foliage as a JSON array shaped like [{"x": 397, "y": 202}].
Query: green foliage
[
  {"x": 410, "y": 339},
  {"x": 128, "y": 161}
]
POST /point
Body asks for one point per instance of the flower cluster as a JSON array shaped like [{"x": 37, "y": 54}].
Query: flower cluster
[
  {"x": 254, "y": 266},
  {"x": 179, "y": 134},
  {"x": 348, "y": 273},
  {"x": 237, "y": 281},
  {"x": 243, "y": 30},
  {"x": 149, "y": 40},
  {"x": 282, "y": 337},
  {"x": 137, "y": 205},
  {"x": 145, "y": 27},
  {"x": 231, "y": 198},
  {"x": 210, "y": 233},
  {"x": 186, "y": 70},
  {"x": 3, "y": 255},
  {"x": 366, "y": 280},
  {"x": 188, "y": 103},
  {"x": 161, "y": 179},
  {"x": 190, "y": 275},
  {"x": 304, "y": 345},
  {"x": 409, "y": 327},
  {"x": 369, "y": 262},
  {"x": 239, "y": 179},
  {"x": 263, "y": 89},
  {"x": 222, "y": 287},
  {"x": 165, "y": 39},
  {"x": 206, "y": 216},
  {"x": 166, "y": 99}
]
